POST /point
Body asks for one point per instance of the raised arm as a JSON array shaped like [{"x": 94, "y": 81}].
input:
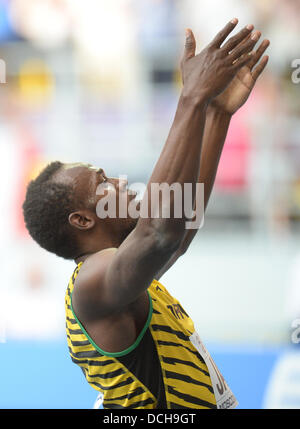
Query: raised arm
[
  {"x": 219, "y": 114},
  {"x": 112, "y": 279}
]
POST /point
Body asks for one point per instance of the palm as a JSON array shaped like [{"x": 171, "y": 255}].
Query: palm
[
  {"x": 237, "y": 92},
  {"x": 239, "y": 89}
]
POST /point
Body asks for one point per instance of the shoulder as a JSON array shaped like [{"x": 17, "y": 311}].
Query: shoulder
[
  {"x": 88, "y": 291},
  {"x": 94, "y": 266}
]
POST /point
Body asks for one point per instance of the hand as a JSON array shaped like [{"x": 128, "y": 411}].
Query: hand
[
  {"x": 207, "y": 74},
  {"x": 239, "y": 89}
]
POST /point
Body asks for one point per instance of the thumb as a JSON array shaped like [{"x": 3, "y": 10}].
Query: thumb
[{"x": 190, "y": 44}]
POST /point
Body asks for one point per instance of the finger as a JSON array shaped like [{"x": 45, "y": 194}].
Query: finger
[
  {"x": 190, "y": 44},
  {"x": 244, "y": 40},
  {"x": 245, "y": 47},
  {"x": 234, "y": 41},
  {"x": 260, "y": 67},
  {"x": 259, "y": 52},
  {"x": 221, "y": 36},
  {"x": 242, "y": 61}
]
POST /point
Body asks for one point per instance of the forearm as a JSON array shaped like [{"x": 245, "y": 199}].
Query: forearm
[
  {"x": 180, "y": 158},
  {"x": 205, "y": 76},
  {"x": 216, "y": 128},
  {"x": 215, "y": 132},
  {"x": 179, "y": 161}
]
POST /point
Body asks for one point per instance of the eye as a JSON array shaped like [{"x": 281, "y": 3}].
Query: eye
[
  {"x": 102, "y": 174},
  {"x": 104, "y": 178}
]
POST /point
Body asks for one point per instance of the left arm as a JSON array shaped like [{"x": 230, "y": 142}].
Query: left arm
[
  {"x": 215, "y": 132},
  {"x": 218, "y": 117}
]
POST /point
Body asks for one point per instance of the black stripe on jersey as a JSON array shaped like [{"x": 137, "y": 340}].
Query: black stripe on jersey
[
  {"x": 173, "y": 406},
  {"x": 92, "y": 362},
  {"x": 115, "y": 386},
  {"x": 86, "y": 354},
  {"x": 170, "y": 343},
  {"x": 188, "y": 379},
  {"x": 139, "y": 404},
  {"x": 191, "y": 399},
  {"x": 75, "y": 331},
  {"x": 155, "y": 311},
  {"x": 73, "y": 321},
  {"x": 136, "y": 392},
  {"x": 173, "y": 361},
  {"x": 165, "y": 328},
  {"x": 199, "y": 357},
  {"x": 75, "y": 273},
  {"x": 111, "y": 374},
  {"x": 79, "y": 343}
]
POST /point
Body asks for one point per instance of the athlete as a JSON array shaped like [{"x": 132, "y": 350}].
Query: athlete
[{"x": 134, "y": 342}]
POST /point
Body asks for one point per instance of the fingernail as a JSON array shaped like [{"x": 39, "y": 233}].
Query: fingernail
[
  {"x": 254, "y": 36},
  {"x": 187, "y": 32},
  {"x": 250, "y": 27},
  {"x": 234, "y": 21}
]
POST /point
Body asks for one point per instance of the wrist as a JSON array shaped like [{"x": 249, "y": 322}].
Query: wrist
[
  {"x": 199, "y": 100},
  {"x": 218, "y": 111}
]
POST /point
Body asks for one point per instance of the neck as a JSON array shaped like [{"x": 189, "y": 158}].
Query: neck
[
  {"x": 81, "y": 258},
  {"x": 93, "y": 247}
]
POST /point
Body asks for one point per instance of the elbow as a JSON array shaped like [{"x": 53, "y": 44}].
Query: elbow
[
  {"x": 182, "y": 250},
  {"x": 170, "y": 243},
  {"x": 163, "y": 240},
  {"x": 169, "y": 240},
  {"x": 183, "y": 247}
]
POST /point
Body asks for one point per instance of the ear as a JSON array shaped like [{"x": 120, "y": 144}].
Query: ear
[{"x": 82, "y": 220}]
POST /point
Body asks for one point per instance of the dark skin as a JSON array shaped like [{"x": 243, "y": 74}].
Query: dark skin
[{"x": 121, "y": 257}]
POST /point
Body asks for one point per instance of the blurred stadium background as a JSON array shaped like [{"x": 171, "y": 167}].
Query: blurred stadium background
[{"x": 98, "y": 82}]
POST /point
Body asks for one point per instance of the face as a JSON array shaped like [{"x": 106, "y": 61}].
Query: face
[{"x": 92, "y": 185}]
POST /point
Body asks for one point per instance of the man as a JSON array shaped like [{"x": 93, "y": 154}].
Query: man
[{"x": 133, "y": 341}]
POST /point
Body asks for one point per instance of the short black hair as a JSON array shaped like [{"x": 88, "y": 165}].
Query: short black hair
[{"x": 46, "y": 210}]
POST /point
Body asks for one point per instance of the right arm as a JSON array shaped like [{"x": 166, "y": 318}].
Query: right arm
[{"x": 112, "y": 279}]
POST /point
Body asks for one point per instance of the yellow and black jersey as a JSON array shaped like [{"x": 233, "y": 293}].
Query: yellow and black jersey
[{"x": 162, "y": 369}]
